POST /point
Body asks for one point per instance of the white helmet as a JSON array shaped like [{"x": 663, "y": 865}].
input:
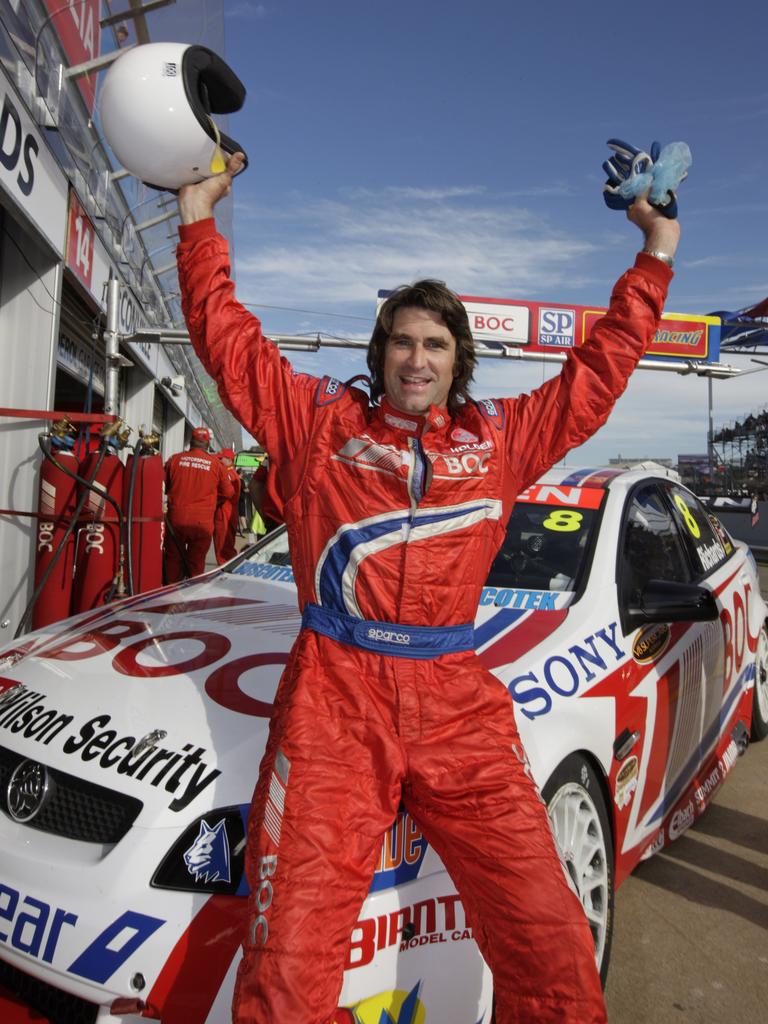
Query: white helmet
[{"x": 155, "y": 107}]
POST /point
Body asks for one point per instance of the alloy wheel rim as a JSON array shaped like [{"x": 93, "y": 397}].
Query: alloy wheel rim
[{"x": 582, "y": 844}]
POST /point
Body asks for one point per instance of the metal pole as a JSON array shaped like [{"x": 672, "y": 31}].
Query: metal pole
[
  {"x": 157, "y": 220},
  {"x": 710, "y": 434},
  {"x": 112, "y": 347}
]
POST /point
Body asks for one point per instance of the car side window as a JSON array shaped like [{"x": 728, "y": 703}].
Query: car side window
[
  {"x": 704, "y": 543},
  {"x": 652, "y": 548}
]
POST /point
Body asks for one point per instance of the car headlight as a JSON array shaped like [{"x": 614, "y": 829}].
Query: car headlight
[{"x": 209, "y": 856}]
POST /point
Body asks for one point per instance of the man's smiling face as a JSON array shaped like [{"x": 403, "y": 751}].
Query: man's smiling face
[{"x": 419, "y": 360}]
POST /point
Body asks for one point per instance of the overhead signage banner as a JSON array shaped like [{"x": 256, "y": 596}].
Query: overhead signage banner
[
  {"x": 540, "y": 327},
  {"x": 77, "y": 26},
  {"x": 548, "y": 327},
  {"x": 551, "y": 327},
  {"x": 28, "y": 171}
]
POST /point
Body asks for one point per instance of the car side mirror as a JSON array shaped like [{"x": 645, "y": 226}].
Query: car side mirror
[{"x": 668, "y": 601}]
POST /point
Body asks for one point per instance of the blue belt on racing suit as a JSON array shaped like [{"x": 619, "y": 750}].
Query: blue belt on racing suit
[{"x": 389, "y": 637}]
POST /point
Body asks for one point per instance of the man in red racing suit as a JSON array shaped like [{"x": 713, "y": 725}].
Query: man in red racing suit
[{"x": 395, "y": 512}]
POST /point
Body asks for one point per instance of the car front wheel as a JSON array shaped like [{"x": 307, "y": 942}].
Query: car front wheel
[
  {"x": 582, "y": 830},
  {"x": 760, "y": 695}
]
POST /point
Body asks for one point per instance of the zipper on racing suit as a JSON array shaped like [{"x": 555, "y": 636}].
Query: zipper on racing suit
[{"x": 418, "y": 477}]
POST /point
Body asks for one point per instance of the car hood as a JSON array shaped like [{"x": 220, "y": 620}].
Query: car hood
[
  {"x": 163, "y": 697},
  {"x": 166, "y": 696}
]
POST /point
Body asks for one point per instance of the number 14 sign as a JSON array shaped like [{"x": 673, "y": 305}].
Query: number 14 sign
[{"x": 80, "y": 237}]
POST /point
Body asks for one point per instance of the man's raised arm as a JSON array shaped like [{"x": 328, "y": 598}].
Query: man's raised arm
[{"x": 254, "y": 382}]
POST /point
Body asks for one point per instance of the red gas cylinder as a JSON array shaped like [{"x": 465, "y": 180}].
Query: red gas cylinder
[
  {"x": 143, "y": 489},
  {"x": 57, "y": 498},
  {"x": 97, "y": 552}
]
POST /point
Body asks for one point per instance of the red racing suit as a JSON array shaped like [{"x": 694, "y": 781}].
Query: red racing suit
[
  {"x": 393, "y": 522},
  {"x": 195, "y": 482},
  {"x": 225, "y": 520}
]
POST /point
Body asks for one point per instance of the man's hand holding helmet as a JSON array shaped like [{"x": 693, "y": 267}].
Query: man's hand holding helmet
[{"x": 196, "y": 202}]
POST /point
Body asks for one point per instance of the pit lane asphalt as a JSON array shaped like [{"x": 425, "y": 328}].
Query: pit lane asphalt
[{"x": 690, "y": 943}]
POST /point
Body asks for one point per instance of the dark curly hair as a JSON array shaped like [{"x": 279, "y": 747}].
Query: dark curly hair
[{"x": 437, "y": 298}]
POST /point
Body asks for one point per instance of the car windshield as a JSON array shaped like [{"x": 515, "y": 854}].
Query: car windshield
[
  {"x": 270, "y": 559},
  {"x": 273, "y": 550},
  {"x": 546, "y": 546}
]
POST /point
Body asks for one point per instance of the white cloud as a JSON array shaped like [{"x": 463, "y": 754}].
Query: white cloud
[
  {"x": 562, "y": 188},
  {"x": 245, "y": 11},
  {"x": 341, "y": 251},
  {"x": 665, "y": 415},
  {"x": 706, "y": 261},
  {"x": 411, "y": 192}
]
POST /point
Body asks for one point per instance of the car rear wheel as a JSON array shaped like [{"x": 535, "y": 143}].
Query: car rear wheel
[
  {"x": 760, "y": 695},
  {"x": 582, "y": 830}
]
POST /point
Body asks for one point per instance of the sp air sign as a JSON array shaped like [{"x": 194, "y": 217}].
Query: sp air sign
[{"x": 557, "y": 327}]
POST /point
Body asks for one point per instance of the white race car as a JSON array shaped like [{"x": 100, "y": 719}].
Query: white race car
[{"x": 626, "y": 623}]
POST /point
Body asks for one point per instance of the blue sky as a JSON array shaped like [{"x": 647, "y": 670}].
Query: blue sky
[{"x": 465, "y": 142}]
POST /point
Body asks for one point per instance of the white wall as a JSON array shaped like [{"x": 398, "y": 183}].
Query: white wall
[
  {"x": 30, "y": 288},
  {"x": 174, "y": 433},
  {"x": 139, "y": 399}
]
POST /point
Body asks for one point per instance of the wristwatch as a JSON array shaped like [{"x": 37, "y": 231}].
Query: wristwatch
[{"x": 659, "y": 255}]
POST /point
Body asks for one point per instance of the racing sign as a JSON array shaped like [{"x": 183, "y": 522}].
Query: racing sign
[
  {"x": 552, "y": 327},
  {"x": 679, "y": 336},
  {"x": 548, "y": 327}
]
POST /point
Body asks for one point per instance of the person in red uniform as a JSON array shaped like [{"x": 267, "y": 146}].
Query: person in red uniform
[
  {"x": 392, "y": 531},
  {"x": 225, "y": 516},
  {"x": 195, "y": 482}
]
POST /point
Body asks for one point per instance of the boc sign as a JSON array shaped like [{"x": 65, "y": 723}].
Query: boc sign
[{"x": 498, "y": 321}]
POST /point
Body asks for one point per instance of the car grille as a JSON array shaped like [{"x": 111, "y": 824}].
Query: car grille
[
  {"x": 74, "y": 808},
  {"x": 57, "y": 1007}
]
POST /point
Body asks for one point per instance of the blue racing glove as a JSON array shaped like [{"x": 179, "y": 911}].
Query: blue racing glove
[
  {"x": 628, "y": 164},
  {"x": 631, "y": 172}
]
